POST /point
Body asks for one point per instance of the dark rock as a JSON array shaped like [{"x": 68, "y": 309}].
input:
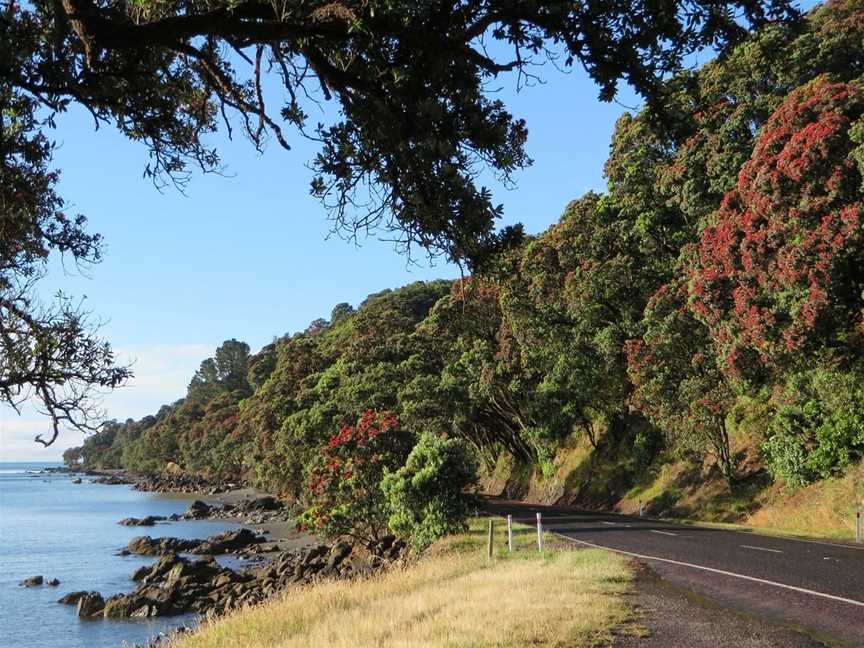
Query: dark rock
[
  {"x": 53, "y": 582},
  {"x": 71, "y": 598},
  {"x": 150, "y": 520},
  {"x": 147, "y": 546},
  {"x": 177, "y": 585},
  {"x": 265, "y": 503},
  {"x": 315, "y": 552},
  {"x": 198, "y": 510},
  {"x": 33, "y": 581},
  {"x": 112, "y": 480},
  {"x": 120, "y": 606},
  {"x": 76, "y": 481},
  {"x": 227, "y": 542},
  {"x": 338, "y": 553},
  {"x": 141, "y": 572},
  {"x": 90, "y": 604}
]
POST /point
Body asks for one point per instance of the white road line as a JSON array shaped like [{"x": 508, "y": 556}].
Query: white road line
[
  {"x": 718, "y": 571},
  {"x": 663, "y": 532},
  {"x": 609, "y": 523},
  {"x": 761, "y": 548}
]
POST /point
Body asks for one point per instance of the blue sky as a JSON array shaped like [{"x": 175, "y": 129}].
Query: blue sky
[{"x": 248, "y": 255}]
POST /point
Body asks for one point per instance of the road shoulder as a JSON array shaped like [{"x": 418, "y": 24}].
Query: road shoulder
[{"x": 668, "y": 616}]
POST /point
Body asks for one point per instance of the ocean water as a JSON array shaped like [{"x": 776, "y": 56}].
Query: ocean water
[{"x": 58, "y": 529}]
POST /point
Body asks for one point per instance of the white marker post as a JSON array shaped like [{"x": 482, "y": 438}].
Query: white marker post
[
  {"x": 510, "y": 533},
  {"x": 539, "y": 533},
  {"x": 641, "y": 509},
  {"x": 858, "y": 523}
]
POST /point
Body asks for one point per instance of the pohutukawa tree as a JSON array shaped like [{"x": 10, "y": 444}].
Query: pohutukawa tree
[
  {"x": 676, "y": 381},
  {"x": 779, "y": 273}
]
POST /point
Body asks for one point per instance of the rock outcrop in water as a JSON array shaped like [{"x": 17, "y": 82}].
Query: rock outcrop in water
[
  {"x": 175, "y": 585},
  {"x": 72, "y": 598},
  {"x": 33, "y": 581},
  {"x": 221, "y": 543},
  {"x": 149, "y": 520},
  {"x": 147, "y": 546},
  {"x": 90, "y": 604},
  {"x": 113, "y": 480}
]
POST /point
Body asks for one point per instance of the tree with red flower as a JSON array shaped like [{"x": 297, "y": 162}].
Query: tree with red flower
[{"x": 343, "y": 487}]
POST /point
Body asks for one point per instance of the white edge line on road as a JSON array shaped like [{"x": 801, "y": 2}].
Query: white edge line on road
[
  {"x": 761, "y": 548},
  {"x": 717, "y": 571},
  {"x": 663, "y": 532},
  {"x": 609, "y": 523}
]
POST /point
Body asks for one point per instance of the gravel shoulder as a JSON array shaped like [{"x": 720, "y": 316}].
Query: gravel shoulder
[{"x": 666, "y": 616}]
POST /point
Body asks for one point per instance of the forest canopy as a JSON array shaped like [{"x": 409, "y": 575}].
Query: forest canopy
[
  {"x": 718, "y": 277},
  {"x": 414, "y": 123}
]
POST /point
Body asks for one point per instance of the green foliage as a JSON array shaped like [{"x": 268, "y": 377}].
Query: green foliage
[
  {"x": 818, "y": 428},
  {"x": 427, "y": 497}
]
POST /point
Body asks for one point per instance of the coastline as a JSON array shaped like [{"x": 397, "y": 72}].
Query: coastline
[
  {"x": 261, "y": 555},
  {"x": 282, "y": 535}
]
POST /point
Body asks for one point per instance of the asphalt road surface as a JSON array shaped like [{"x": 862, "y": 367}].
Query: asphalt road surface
[{"x": 810, "y": 585}]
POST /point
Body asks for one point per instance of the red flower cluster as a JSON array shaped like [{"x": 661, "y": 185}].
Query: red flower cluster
[{"x": 777, "y": 267}]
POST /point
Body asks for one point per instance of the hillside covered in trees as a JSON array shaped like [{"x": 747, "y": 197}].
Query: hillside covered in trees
[{"x": 717, "y": 285}]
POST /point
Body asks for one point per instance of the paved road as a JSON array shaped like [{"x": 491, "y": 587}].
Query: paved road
[{"x": 817, "y": 586}]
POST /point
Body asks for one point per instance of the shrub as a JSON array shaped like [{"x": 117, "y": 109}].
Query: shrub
[
  {"x": 818, "y": 428},
  {"x": 344, "y": 487},
  {"x": 427, "y": 496}
]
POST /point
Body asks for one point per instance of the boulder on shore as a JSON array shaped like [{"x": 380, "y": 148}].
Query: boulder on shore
[
  {"x": 198, "y": 510},
  {"x": 172, "y": 468},
  {"x": 228, "y": 542},
  {"x": 147, "y": 546},
  {"x": 265, "y": 503},
  {"x": 33, "y": 581}
]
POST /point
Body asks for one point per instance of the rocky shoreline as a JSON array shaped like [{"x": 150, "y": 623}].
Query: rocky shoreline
[
  {"x": 186, "y": 576},
  {"x": 176, "y": 585},
  {"x": 166, "y": 482}
]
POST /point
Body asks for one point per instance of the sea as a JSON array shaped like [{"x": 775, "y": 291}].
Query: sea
[{"x": 52, "y": 527}]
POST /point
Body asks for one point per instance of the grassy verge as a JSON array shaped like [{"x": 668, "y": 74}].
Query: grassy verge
[{"x": 452, "y": 597}]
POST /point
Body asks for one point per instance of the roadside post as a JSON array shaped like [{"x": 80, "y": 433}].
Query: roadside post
[
  {"x": 489, "y": 543},
  {"x": 641, "y": 509},
  {"x": 510, "y": 533},
  {"x": 539, "y": 533},
  {"x": 858, "y": 522}
]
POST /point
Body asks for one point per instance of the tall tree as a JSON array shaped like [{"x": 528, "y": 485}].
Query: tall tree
[
  {"x": 50, "y": 354},
  {"x": 779, "y": 271},
  {"x": 416, "y": 121}
]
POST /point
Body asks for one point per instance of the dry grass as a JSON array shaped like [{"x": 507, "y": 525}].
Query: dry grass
[
  {"x": 453, "y": 597},
  {"x": 824, "y": 509}
]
